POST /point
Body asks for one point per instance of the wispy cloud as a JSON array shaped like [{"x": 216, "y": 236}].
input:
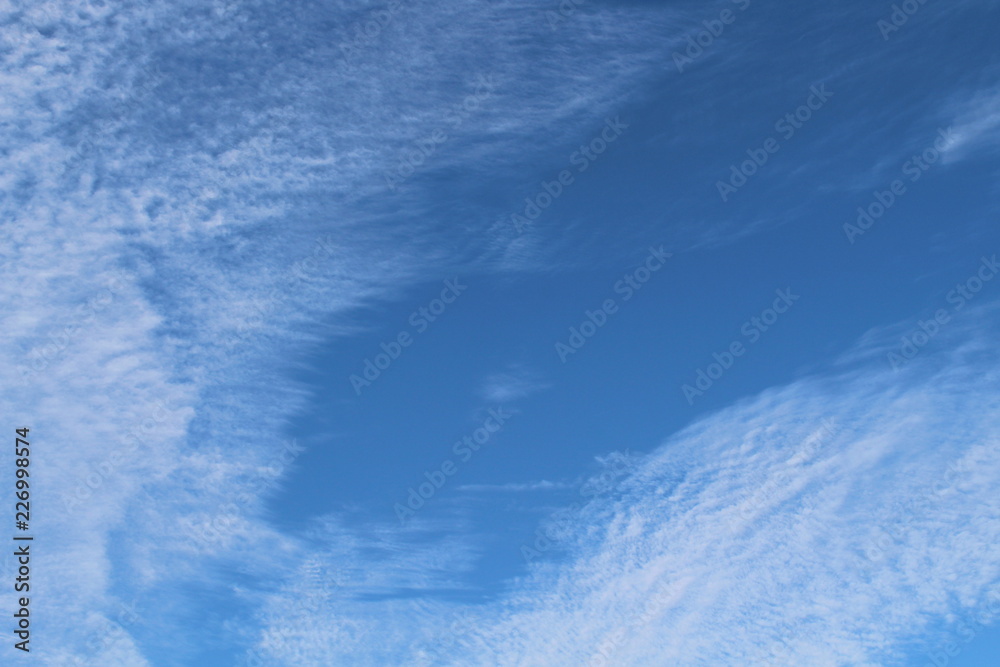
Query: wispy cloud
[
  {"x": 840, "y": 494},
  {"x": 511, "y": 385},
  {"x": 976, "y": 126},
  {"x": 515, "y": 487},
  {"x": 194, "y": 155}
]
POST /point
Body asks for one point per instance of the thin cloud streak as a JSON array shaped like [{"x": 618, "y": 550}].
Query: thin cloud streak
[{"x": 196, "y": 155}]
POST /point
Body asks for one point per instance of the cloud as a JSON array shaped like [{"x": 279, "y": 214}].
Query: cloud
[
  {"x": 511, "y": 385},
  {"x": 514, "y": 487},
  {"x": 841, "y": 519},
  {"x": 195, "y": 190},
  {"x": 975, "y": 126}
]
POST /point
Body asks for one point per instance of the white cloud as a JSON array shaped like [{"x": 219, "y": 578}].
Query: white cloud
[
  {"x": 511, "y": 385},
  {"x": 975, "y": 126},
  {"x": 199, "y": 150},
  {"x": 831, "y": 521},
  {"x": 514, "y": 487},
  {"x": 170, "y": 168}
]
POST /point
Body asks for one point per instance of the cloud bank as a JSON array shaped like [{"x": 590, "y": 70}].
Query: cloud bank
[{"x": 832, "y": 521}]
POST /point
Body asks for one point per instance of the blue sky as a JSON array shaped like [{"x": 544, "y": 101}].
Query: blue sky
[{"x": 519, "y": 333}]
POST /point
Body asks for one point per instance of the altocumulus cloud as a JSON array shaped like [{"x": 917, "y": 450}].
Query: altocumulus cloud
[
  {"x": 192, "y": 153},
  {"x": 186, "y": 158},
  {"x": 816, "y": 523}
]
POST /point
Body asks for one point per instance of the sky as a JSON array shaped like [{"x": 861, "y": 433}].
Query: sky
[{"x": 508, "y": 333}]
